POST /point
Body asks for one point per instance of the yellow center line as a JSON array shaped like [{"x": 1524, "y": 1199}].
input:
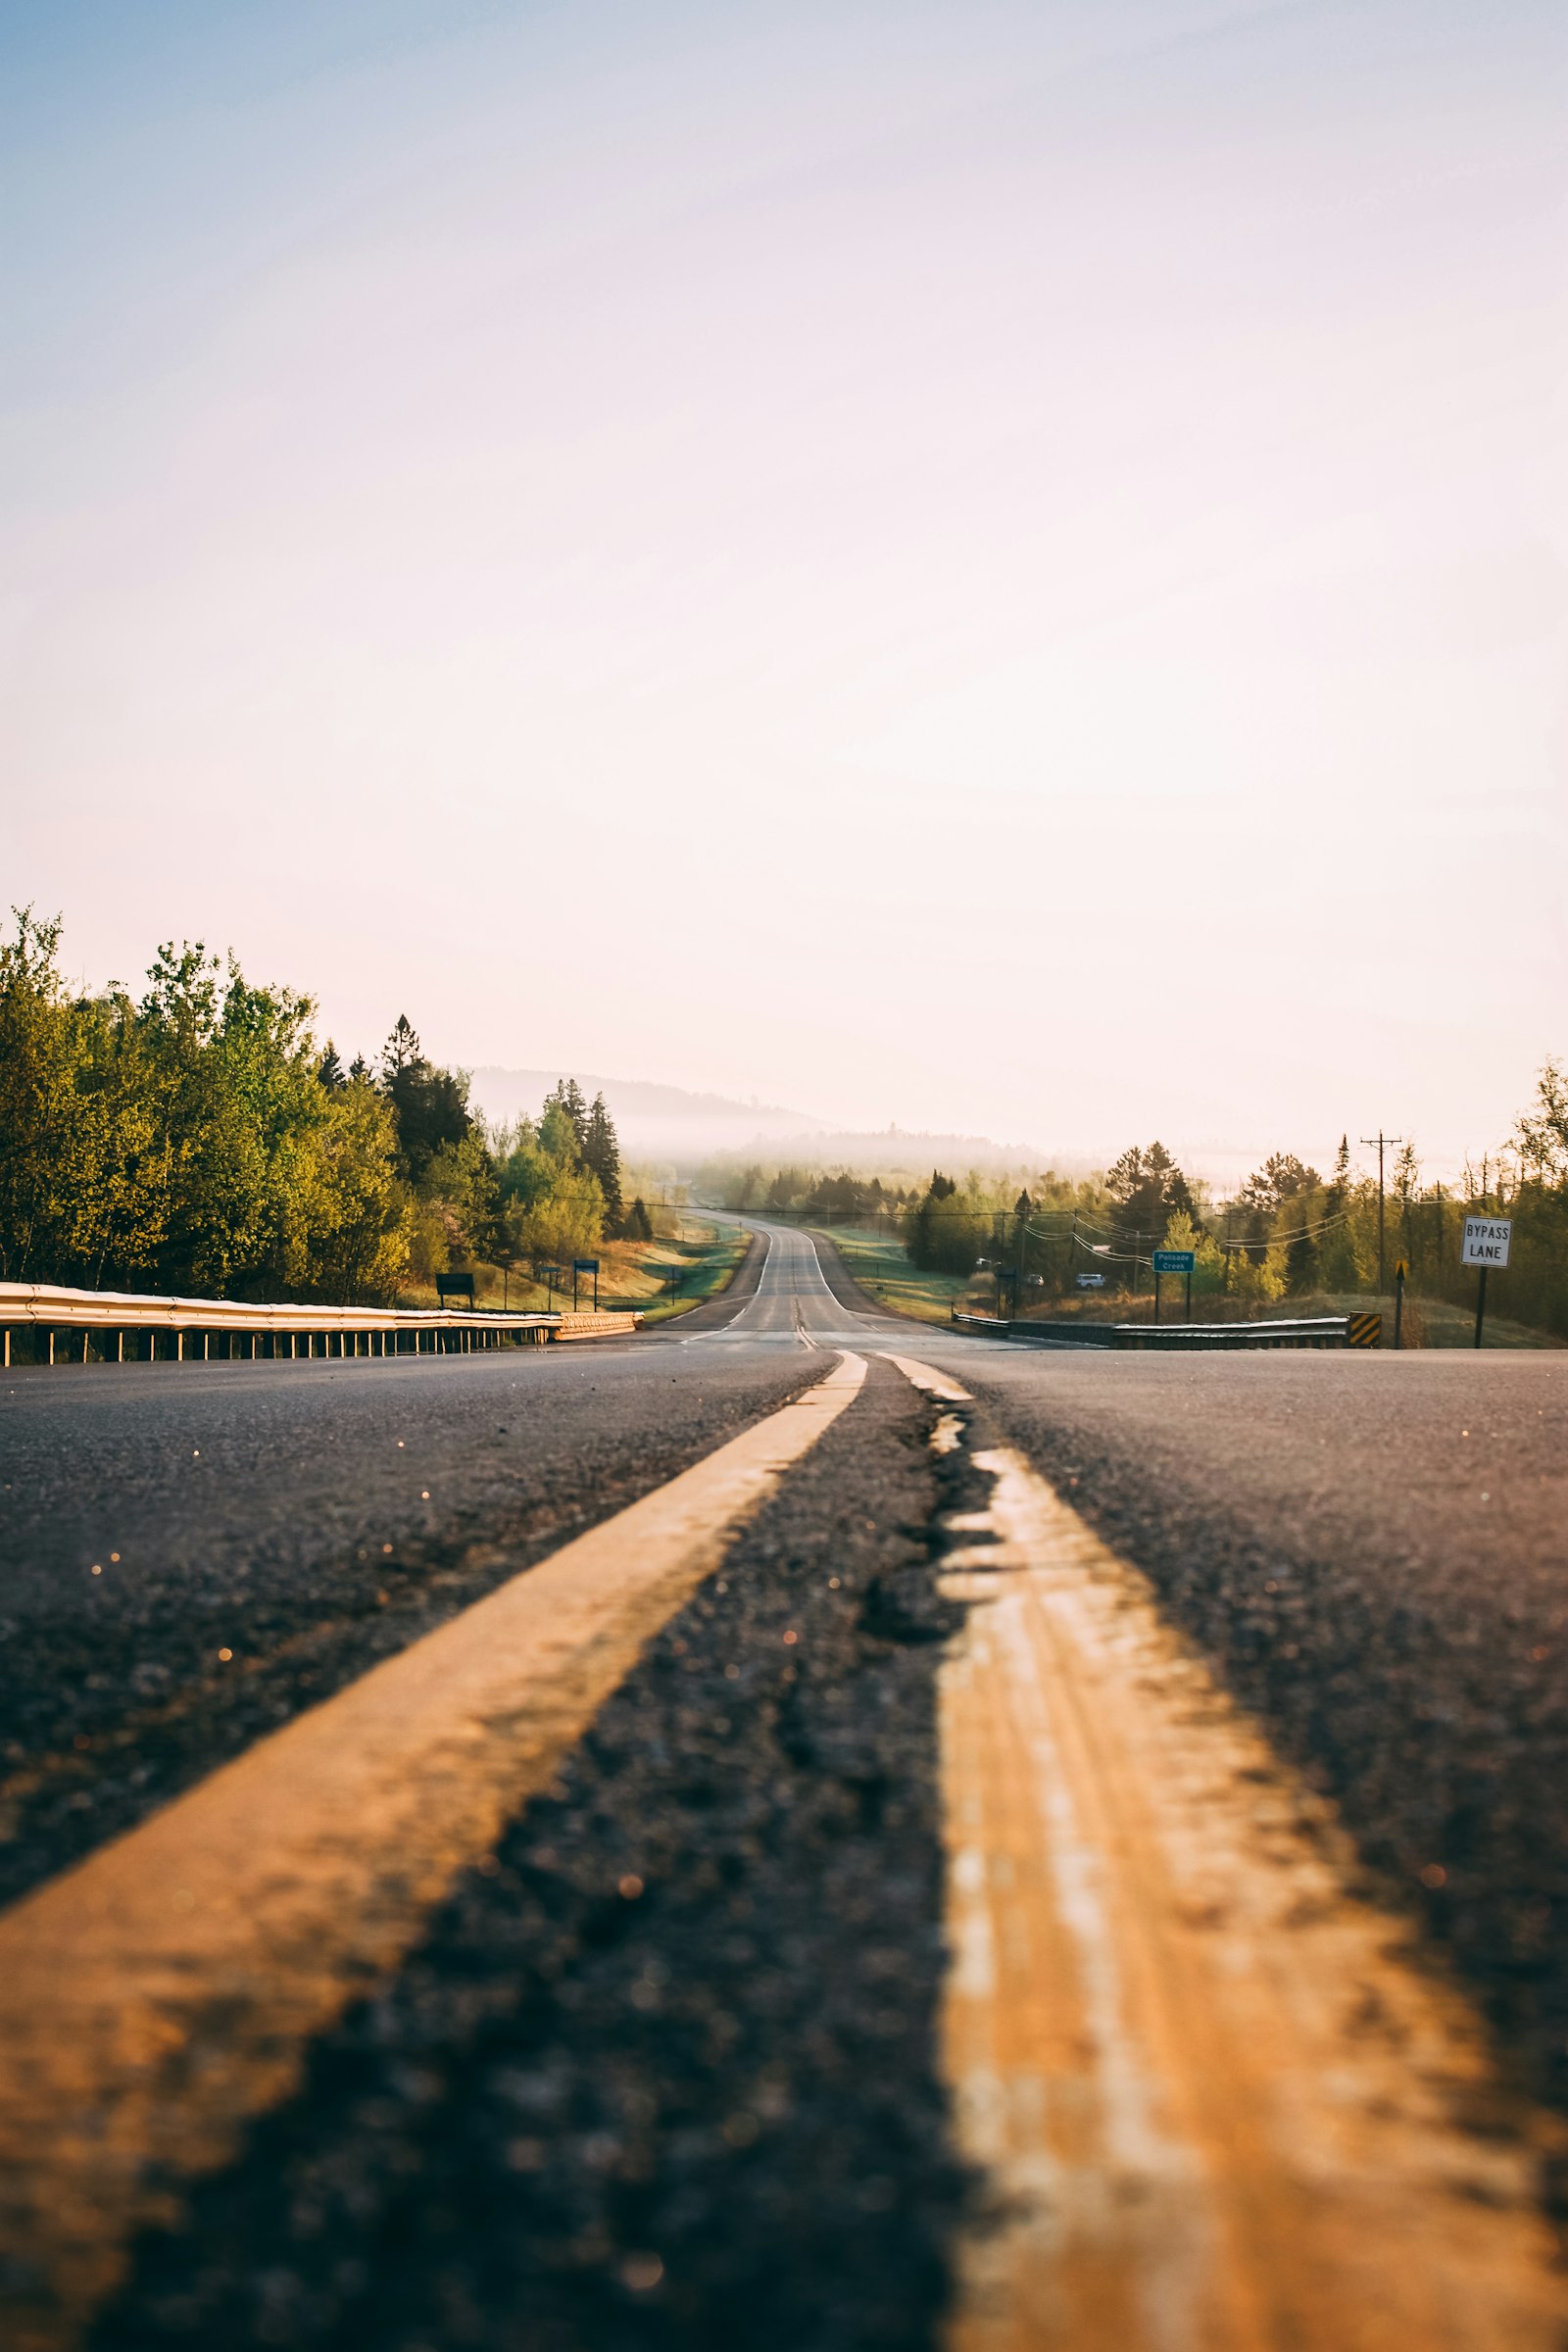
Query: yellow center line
[
  {"x": 1215, "y": 2109},
  {"x": 163, "y": 1991},
  {"x": 935, "y": 1384}
]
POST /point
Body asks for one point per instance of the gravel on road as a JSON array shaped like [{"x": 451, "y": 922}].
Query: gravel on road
[
  {"x": 665, "y": 2075},
  {"x": 189, "y": 1555}
]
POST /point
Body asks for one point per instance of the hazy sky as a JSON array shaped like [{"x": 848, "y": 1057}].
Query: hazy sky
[{"x": 982, "y": 565}]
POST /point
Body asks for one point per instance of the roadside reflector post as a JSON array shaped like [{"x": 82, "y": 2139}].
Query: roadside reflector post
[
  {"x": 1398, "y": 1304},
  {"x": 1487, "y": 1244}
]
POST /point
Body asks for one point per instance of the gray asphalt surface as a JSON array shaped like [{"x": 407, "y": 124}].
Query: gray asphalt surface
[
  {"x": 578, "y": 2121},
  {"x": 308, "y": 1517}
]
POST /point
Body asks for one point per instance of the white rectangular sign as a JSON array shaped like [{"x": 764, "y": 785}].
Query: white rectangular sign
[{"x": 1486, "y": 1241}]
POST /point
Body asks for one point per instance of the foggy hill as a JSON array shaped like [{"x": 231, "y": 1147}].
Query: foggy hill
[{"x": 654, "y": 1121}]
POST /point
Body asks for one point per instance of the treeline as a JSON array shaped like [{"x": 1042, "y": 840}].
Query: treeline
[
  {"x": 843, "y": 1198},
  {"x": 199, "y": 1138},
  {"x": 1288, "y": 1231}
]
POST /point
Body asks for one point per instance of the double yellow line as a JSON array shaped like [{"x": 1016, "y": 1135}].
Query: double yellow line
[{"x": 1216, "y": 2111}]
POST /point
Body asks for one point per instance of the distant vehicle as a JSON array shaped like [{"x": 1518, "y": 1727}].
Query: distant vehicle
[{"x": 1091, "y": 1282}]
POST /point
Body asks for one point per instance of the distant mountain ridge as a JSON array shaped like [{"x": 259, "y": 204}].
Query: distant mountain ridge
[
  {"x": 674, "y": 1124},
  {"x": 654, "y": 1121}
]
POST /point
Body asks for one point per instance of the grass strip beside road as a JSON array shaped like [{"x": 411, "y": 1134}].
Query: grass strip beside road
[
  {"x": 701, "y": 1260},
  {"x": 881, "y": 1265}
]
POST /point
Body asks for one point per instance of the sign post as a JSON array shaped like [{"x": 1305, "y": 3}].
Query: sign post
[
  {"x": 585, "y": 1265},
  {"x": 1399, "y": 1302},
  {"x": 1174, "y": 1261},
  {"x": 1487, "y": 1242}
]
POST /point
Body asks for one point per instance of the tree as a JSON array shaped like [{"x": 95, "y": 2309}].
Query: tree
[
  {"x": 1406, "y": 1185},
  {"x": 1147, "y": 1190},
  {"x": 432, "y": 1108},
  {"x": 1541, "y": 1131},
  {"x": 1182, "y": 1232},
  {"x": 567, "y": 1096},
  {"x": 1338, "y": 1195},
  {"x": 351, "y": 1213},
  {"x": 837, "y": 1199},
  {"x": 1338, "y": 1268},
  {"x": 565, "y": 1221},
  {"x": 639, "y": 1224},
  {"x": 741, "y": 1191},
  {"x": 185, "y": 1143},
  {"x": 461, "y": 1181},
  {"x": 601, "y": 1152},
  {"x": 1282, "y": 1177},
  {"x": 401, "y": 1047},
  {"x": 330, "y": 1070},
  {"x": 945, "y": 1233},
  {"x": 81, "y": 1179},
  {"x": 1282, "y": 1182},
  {"x": 1301, "y": 1261},
  {"x": 558, "y": 1137}
]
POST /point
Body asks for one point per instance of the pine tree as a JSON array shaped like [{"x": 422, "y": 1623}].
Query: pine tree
[
  {"x": 1300, "y": 1262},
  {"x": 330, "y": 1070},
  {"x": 567, "y": 1096},
  {"x": 601, "y": 1152},
  {"x": 401, "y": 1047},
  {"x": 639, "y": 1224}
]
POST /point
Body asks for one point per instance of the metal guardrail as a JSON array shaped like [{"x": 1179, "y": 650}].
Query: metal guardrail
[
  {"x": 1301, "y": 1331},
  {"x": 602, "y": 1326},
  {"x": 383, "y": 1330}
]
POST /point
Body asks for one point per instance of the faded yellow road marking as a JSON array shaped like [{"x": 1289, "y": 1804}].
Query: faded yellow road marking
[
  {"x": 163, "y": 1991},
  {"x": 1216, "y": 2110},
  {"x": 935, "y": 1384}
]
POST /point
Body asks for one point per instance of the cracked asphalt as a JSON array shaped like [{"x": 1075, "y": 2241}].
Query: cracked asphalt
[{"x": 665, "y": 2074}]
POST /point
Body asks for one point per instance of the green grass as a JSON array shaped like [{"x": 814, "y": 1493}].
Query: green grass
[
  {"x": 881, "y": 1264},
  {"x": 703, "y": 1259}
]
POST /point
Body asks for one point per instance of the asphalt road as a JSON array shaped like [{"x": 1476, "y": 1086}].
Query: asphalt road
[{"x": 714, "y": 2116}]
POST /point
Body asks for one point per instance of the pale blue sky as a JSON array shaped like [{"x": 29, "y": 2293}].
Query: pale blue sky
[{"x": 981, "y": 566}]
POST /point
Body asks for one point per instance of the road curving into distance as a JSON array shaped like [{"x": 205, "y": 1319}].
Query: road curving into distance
[{"x": 801, "y": 1830}]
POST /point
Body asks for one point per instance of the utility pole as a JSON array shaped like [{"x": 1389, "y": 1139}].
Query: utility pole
[{"x": 1382, "y": 1141}]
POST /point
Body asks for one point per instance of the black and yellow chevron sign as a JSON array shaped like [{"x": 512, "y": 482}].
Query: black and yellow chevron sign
[{"x": 1366, "y": 1331}]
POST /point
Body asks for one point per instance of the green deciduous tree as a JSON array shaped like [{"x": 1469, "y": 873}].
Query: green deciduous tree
[{"x": 185, "y": 1143}]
